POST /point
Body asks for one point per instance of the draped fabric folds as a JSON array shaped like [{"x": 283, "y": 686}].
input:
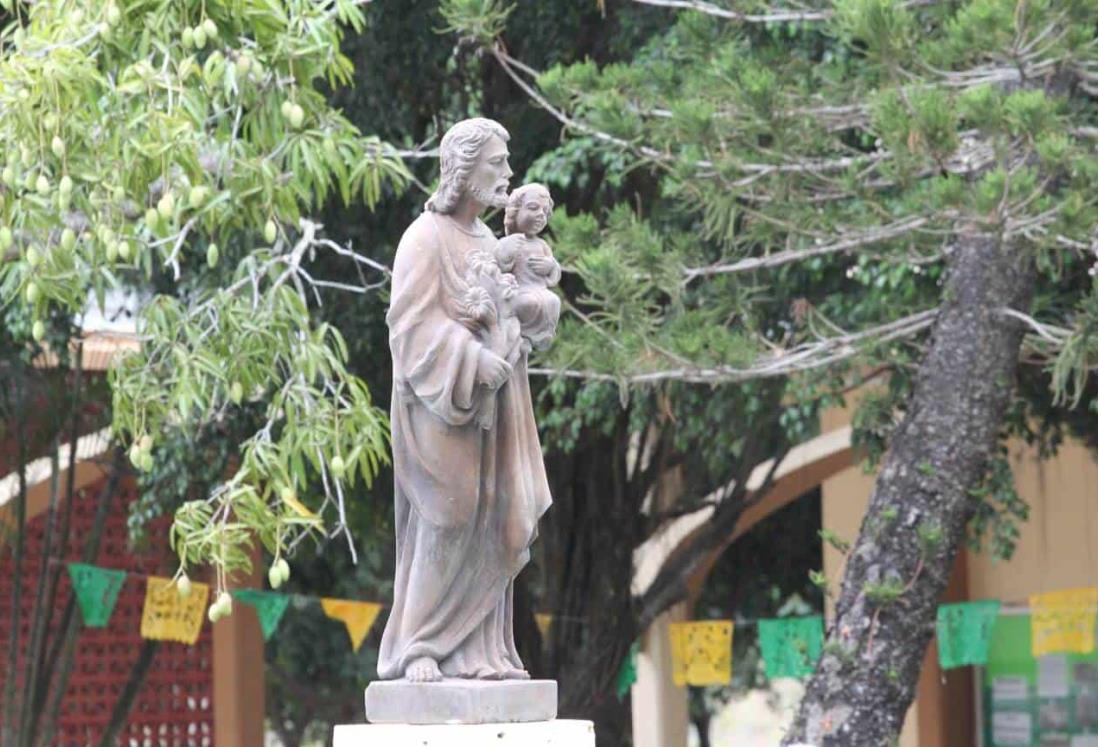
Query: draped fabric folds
[{"x": 469, "y": 488}]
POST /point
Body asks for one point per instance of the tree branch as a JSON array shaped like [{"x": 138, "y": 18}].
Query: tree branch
[
  {"x": 773, "y": 15},
  {"x": 753, "y": 170},
  {"x": 804, "y": 357},
  {"x": 670, "y": 583},
  {"x": 873, "y": 236}
]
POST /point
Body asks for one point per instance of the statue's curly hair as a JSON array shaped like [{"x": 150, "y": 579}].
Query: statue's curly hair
[
  {"x": 515, "y": 201},
  {"x": 458, "y": 153}
]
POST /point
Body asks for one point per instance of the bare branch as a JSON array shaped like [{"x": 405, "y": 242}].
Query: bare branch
[
  {"x": 1048, "y": 332},
  {"x": 804, "y": 357},
  {"x": 873, "y": 236},
  {"x": 775, "y": 15},
  {"x": 754, "y": 170}
]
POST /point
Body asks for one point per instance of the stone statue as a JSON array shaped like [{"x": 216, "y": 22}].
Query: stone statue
[
  {"x": 532, "y": 263},
  {"x": 469, "y": 477}
]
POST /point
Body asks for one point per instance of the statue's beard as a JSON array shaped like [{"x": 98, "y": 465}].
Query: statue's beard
[{"x": 488, "y": 198}]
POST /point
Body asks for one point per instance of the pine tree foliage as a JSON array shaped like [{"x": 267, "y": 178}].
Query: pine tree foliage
[
  {"x": 175, "y": 150},
  {"x": 857, "y": 145},
  {"x": 825, "y": 173},
  {"x": 839, "y": 153}
]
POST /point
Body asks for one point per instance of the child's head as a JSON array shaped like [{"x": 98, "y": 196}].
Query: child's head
[{"x": 528, "y": 209}]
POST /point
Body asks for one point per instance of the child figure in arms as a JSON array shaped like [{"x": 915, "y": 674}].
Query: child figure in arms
[
  {"x": 531, "y": 261},
  {"x": 486, "y": 310}
]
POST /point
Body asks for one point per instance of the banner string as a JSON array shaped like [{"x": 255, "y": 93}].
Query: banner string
[{"x": 1011, "y": 608}]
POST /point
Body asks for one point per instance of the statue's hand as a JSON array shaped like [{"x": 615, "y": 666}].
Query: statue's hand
[
  {"x": 492, "y": 371},
  {"x": 541, "y": 265}
]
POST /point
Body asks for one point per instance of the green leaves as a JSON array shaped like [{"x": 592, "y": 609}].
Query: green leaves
[
  {"x": 885, "y": 27},
  {"x": 998, "y": 510},
  {"x": 883, "y": 593},
  {"x": 980, "y": 27},
  {"x": 480, "y": 21},
  {"x": 204, "y": 359},
  {"x": 146, "y": 143},
  {"x": 917, "y": 124},
  {"x": 173, "y": 119},
  {"x": 862, "y": 143}
]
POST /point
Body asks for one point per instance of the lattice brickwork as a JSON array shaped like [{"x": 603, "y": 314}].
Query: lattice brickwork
[{"x": 174, "y": 707}]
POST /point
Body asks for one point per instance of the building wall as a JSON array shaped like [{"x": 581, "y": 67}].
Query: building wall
[
  {"x": 211, "y": 693},
  {"x": 1058, "y": 549},
  {"x": 175, "y": 701}
]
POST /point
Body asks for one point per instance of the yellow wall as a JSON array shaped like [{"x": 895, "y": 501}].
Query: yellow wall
[{"x": 1058, "y": 548}]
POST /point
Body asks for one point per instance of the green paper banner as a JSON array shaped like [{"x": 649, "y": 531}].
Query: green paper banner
[
  {"x": 627, "y": 675},
  {"x": 96, "y": 591},
  {"x": 964, "y": 632},
  {"x": 269, "y": 607},
  {"x": 791, "y": 645}
]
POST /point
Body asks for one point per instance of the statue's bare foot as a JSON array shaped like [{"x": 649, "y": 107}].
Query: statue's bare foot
[
  {"x": 516, "y": 674},
  {"x": 424, "y": 669}
]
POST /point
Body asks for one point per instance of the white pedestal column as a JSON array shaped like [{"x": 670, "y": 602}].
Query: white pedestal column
[
  {"x": 561, "y": 733},
  {"x": 660, "y": 714}
]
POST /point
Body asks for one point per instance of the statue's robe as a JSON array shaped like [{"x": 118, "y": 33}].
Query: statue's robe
[{"x": 467, "y": 498}]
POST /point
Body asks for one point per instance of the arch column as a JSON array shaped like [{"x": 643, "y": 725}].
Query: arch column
[
  {"x": 660, "y": 712},
  {"x": 661, "y": 715},
  {"x": 239, "y": 682}
]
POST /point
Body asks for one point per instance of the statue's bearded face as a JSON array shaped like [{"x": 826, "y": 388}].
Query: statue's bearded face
[{"x": 491, "y": 174}]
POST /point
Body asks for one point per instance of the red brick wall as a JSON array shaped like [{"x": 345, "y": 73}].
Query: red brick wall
[{"x": 174, "y": 707}]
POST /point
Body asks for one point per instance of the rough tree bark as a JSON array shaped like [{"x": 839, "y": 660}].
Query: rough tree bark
[
  {"x": 8, "y": 730},
  {"x": 900, "y": 564}
]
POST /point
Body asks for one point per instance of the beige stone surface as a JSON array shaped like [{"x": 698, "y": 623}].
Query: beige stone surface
[
  {"x": 539, "y": 734},
  {"x": 660, "y": 712},
  {"x": 461, "y": 701}
]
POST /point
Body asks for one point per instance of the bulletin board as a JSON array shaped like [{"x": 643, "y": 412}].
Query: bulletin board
[{"x": 1051, "y": 701}]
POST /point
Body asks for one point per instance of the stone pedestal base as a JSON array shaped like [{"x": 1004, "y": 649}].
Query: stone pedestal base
[
  {"x": 532, "y": 734},
  {"x": 461, "y": 701}
]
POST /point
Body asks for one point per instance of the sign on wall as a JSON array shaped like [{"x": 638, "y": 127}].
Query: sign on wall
[{"x": 1037, "y": 701}]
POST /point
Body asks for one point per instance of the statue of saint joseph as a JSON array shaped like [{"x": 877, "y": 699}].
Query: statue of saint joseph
[{"x": 469, "y": 477}]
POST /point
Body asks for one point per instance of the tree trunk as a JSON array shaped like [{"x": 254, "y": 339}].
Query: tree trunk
[
  {"x": 129, "y": 693},
  {"x": 917, "y": 514},
  {"x": 55, "y": 563},
  {"x": 588, "y": 539},
  {"x": 701, "y": 723},
  {"x": 39, "y": 630},
  {"x": 62, "y": 656},
  {"x": 9, "y": 732}
]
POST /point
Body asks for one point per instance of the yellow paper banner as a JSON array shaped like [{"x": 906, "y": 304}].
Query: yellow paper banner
[
  {"x": 167, "y": 616},
  {"x": 1063, "y": 621},
  {"x": 701, "y": 652},
  {"x": 545, "y": 622},
  {"x": 357, "y": 617}
]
